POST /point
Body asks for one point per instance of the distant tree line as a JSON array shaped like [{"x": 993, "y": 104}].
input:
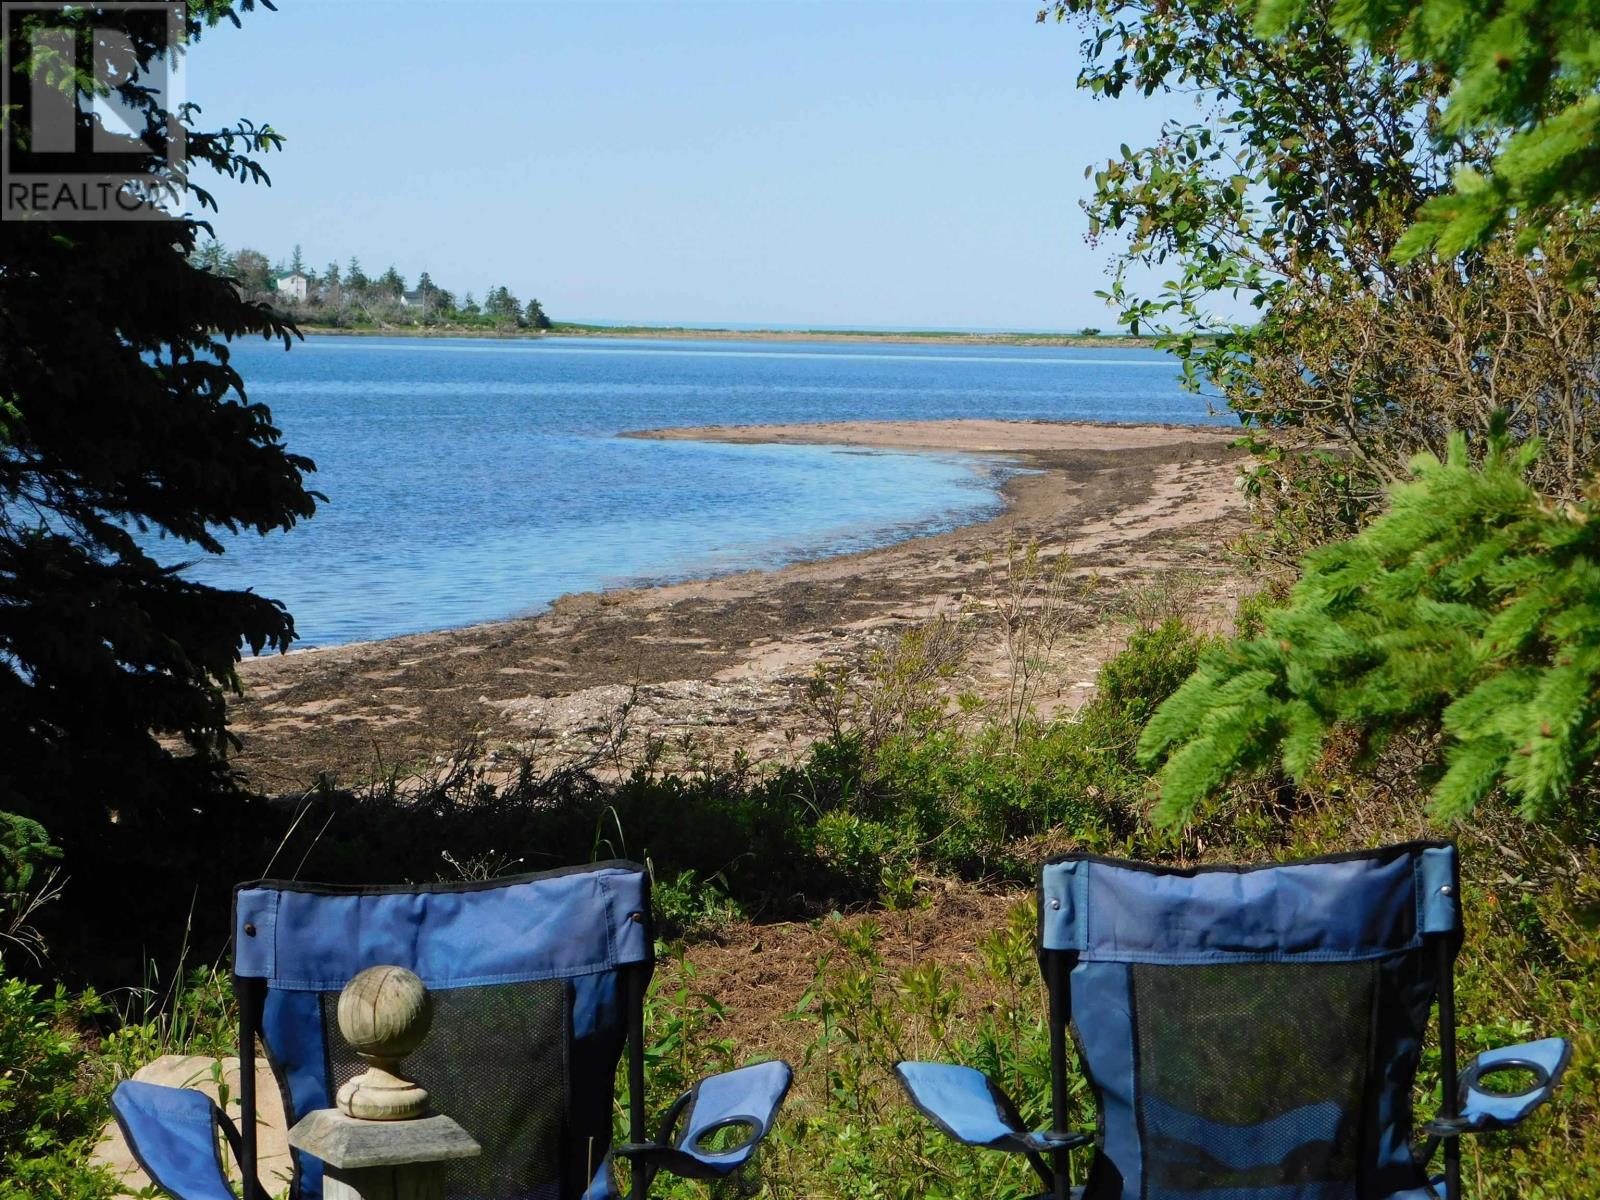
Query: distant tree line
[{"x": 349, "y": 297}]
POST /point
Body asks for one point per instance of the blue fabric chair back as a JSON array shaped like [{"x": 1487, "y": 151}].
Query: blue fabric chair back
[
  {"x": 535, "y": 982},
  {"x": 1252, "y": 1033}
]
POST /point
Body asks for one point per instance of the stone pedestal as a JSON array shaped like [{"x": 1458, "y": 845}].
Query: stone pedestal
[{"x": 382, "y": 1160}]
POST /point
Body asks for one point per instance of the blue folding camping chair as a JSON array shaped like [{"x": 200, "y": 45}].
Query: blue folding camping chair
[
  {"x": 536, "y": 982},
  {"x": 1249, "y": 1033}
]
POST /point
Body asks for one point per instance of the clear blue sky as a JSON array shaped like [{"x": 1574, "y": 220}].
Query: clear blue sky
[{"x": 867, "y": 162}]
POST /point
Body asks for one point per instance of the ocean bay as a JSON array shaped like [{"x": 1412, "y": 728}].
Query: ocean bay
[{"x": 470, "y": 480}]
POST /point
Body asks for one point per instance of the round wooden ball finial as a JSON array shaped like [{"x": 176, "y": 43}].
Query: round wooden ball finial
[{"x": 384, "y": 1013}]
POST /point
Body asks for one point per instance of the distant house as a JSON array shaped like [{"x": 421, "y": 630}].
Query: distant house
[
  {"x": 296, "y": 285},
  {"x": 416, "y": 299}
]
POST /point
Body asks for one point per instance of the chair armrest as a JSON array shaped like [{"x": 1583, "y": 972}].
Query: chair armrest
[
  {"x": 747, "y": 1098},
  {"x": 967, "y": 1105},
  {"x": 173, "y": 1135},
  {"x": 1484, "y": 1110}
]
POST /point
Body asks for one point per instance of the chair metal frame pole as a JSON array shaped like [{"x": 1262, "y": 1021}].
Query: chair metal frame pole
[
  {"x": 637, "y": 1131},
  {"x": 1450, "y": 1099},
  {"x": 248, "y": 992},
  {"x": 1057, "y": 970}
]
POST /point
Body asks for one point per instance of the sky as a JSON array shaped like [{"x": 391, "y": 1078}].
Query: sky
[{"x": 867, "y": 163}]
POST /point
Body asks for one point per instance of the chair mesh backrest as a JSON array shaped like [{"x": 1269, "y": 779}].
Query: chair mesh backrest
[
  {"x": 529, "y": 1010},
  {"x": 1253, "y": 1033}
]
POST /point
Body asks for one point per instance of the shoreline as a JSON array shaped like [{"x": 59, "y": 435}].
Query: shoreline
[
  {"x": 1017, "y": 467},
  {"x": 889, "y": 336},
  {"x": 721, "y": 663},
  {"x": 993, "y": 436},
  {"x": 678, "y": 333}
]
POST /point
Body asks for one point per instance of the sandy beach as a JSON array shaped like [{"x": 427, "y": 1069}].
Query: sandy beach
[{"x": 711, "y": 666}]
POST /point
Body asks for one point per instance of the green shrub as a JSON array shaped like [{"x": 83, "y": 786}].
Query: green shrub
[
  {"x": 194, "y": 1014},
  {"x": 856, "y": 849},
  {"x": 51, "y": 1108},
  {"x": 753, "y": 832},
  {"x": 688, "y": 906},
  {"x": 970, "y": 801},
  {"x": 1154, "y": 664},
  {"x": 24, "y": 846},
  {"x": 1472, "y": 607}
]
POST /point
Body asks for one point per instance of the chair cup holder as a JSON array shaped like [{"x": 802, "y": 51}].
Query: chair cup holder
[
  {"x": 703, "y": 1139},
  {"x": 1473, "y": 1077}
]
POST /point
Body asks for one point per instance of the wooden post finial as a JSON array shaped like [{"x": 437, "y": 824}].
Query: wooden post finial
[
  {"x": 384, "y": 1013},
  {"x": 379, "y": 1144}
]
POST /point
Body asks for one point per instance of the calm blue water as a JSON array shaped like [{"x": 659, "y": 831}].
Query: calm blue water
[{"x": 470, "y": 480}]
